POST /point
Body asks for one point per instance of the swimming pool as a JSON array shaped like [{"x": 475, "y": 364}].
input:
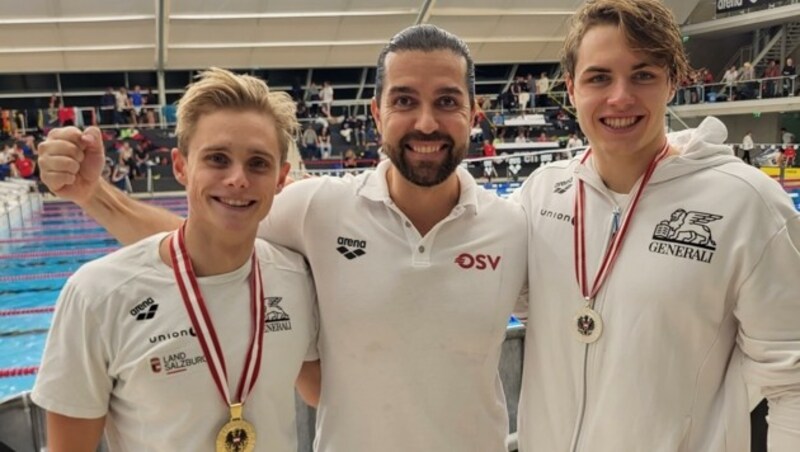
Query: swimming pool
[{"x": 36, "y": 258}]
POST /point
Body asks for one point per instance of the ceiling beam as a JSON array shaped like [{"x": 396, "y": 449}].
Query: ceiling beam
[
  {"x": 294, "y": 15},
  {"x": 75, "y": 20},
  {"x": 424, "y": 12}
]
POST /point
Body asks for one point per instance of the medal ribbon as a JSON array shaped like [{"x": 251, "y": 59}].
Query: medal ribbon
[
  {"x": 201, "y": 321},
  {"x": 614, "y": 247}
]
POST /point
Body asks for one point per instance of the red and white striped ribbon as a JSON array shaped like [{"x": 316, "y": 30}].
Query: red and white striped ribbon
[
  {"x": 201, "y": 321},
  {"x": 579, "y": 236}
]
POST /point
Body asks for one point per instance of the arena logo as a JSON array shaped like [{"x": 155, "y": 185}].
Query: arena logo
[
  {"x": 733, "y": 5},
  {"x": 686, "y": 235},
  {"x": 277, "y": 318},
  {"x": 186, "y": 332},
  {"x": 563, "y": 186},
  {"x": 478, "y": 261},
  {"x": 351, "y": 248},
  {"x": 174, "y": 363},
  {"x": 145, "y": 310}
]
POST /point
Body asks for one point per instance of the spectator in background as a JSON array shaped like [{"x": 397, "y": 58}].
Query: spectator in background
[
  {"x": 542, "y": 88},
  {"x": 481, "y": 121},
  {"x": 22, "y": 165},
  {"x": 122, "y": 113},
  {"x": 120, "y": 173},
  {"x": 107, "y": 104},
  {"x": 772, "y": 72},
  {"x": 5, "y": 161},
  {"x": 327, "y": 98},
  {"x": 486, "y": 103},
  {"x": 310, "y": 143},
  {"x": 786, "y": 136},
  {"x": 574, "y": 141},
  {"x": 746, "y": 77},
  {"x": 349, "y": 160},
  {"x": 789, "y": 154},
  {"x": 325, "y": 142},
  {"x": 488, "y": 149},
  {"x": 523, "y": 95},
  {"x": 522, "y": 135},
  {"x": 747, "y": 147},
  {"x": 137, "y": 101},
  {"x": 515, "y": 91},
  {"x": 729, "y": 79},
  {"x": 141, "y": 158},
  {"x": 789, "y": 72},
  {"x": 66, "y": 115},
  {"x": 52, "y": 112},
  {"x": 531, "y": 83},
  {"x": 542, "y": 138}
]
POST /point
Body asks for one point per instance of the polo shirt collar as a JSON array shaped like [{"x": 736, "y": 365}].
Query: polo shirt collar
[{"x": 376, "y": 188}]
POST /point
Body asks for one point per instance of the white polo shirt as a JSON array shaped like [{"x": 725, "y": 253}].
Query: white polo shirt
[{"x": 411, "y": 327}]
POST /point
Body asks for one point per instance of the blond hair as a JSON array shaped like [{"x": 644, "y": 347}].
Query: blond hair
[
  {"x": 217, "y": 89},
  {"x": 648, "y": 26}
]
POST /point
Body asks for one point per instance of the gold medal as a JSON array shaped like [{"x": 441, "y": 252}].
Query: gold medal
[
  {"x": 588, "y": 325},
  {"x": 237, "y": 435}
]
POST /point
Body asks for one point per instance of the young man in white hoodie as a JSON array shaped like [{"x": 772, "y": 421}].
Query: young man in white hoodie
[{"x": 667, "y": 292}]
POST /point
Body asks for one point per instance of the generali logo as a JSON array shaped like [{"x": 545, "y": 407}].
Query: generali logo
[{"x": 478, "y": 261}]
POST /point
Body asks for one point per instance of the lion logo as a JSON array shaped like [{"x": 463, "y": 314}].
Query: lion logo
[{"x": 688, "y": 227}]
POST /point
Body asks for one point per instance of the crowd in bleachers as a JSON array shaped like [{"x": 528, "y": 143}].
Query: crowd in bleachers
[
  {"x": 335, "y": 136},
  {"x": 740, "y": 83}
]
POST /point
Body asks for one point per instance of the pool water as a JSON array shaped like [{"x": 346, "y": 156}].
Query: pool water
[{"x": 35, "y": 261}]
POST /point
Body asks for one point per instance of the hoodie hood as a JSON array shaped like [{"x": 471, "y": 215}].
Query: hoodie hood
[{"x": 698, "y": 148}]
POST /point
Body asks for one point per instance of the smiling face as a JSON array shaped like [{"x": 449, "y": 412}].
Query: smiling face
[
  {"x": 620, "y": 95},
  {"x": 231, "y": 173},
  {"x": 425, "y": 114}
]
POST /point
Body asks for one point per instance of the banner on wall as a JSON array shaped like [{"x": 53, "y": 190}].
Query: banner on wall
[{"x": 726, "y": 6}]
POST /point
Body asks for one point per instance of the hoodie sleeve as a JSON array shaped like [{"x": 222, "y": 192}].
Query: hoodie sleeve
[{"x": 768, "y": 310}]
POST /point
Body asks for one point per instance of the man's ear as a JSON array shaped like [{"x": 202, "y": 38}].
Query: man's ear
[
  {"x": 376, "y": 114},
  {"x": 179, "y": 166},
  {"x": 570, "y": 82},
  {"x": 283, "y": 177}
]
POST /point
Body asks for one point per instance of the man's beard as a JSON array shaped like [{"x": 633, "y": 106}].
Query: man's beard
[{"x": 426, "y": 174}]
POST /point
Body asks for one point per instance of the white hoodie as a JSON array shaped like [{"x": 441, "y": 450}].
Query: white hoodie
[{"x": 704, "y": 298}]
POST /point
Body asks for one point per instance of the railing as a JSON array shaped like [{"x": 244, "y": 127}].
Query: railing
[{"x": 760, "y": 88}]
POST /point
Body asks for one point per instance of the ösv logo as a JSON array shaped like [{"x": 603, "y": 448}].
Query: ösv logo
[{"x": 477, "y": 261}]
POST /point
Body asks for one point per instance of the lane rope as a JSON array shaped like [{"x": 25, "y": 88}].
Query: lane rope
[
  {"x": 18, "y": 371},
  {"x": 59, "y": 253},
  {"x": 35, "y": 277},
  {"x": 24, "y": 311}
]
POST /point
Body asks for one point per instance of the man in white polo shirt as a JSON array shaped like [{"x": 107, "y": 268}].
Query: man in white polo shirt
[{"x": 416, "y": 277}]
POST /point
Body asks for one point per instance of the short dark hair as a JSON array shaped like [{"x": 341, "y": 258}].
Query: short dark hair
[{"x": 425, "y": 38}]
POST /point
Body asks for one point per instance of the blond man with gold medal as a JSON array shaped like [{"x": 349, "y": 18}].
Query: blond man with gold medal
[{"x": 194, "y": 339}]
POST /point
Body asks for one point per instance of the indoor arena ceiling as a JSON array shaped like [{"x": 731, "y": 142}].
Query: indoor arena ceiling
[{"x": 114, "y": 35}]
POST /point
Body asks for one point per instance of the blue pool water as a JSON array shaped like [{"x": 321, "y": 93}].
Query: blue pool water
[{"x": 35, "y": 261}]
